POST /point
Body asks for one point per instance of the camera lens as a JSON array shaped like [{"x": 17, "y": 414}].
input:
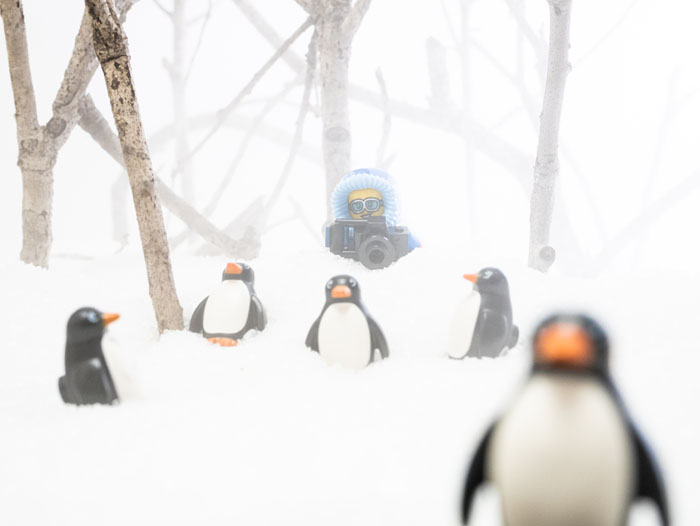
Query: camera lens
[{"x": 376, "y": 252}]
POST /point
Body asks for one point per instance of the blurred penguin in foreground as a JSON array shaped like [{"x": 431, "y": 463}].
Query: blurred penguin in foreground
[{"x": 566, "y": 452}]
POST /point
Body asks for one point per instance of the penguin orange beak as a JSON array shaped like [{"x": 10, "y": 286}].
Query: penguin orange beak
[
  {"x": 341, "y": 291},
  {"x": 234, "y": 268},
  {"x": 564, "y": 344},
  {"x": 109, "y": 317},
  {"x": 470, "y": 277}
]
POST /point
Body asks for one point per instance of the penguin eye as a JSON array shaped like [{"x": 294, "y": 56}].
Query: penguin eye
[
  {"x": 352, "y": 282},
  {"x": 487, "y": 274},
  {"x": 329, "y": 285},
  {"x": 92, "y": 317}
]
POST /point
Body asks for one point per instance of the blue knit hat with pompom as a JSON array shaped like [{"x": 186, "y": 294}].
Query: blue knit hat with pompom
[{"x": 366, "y": 178}]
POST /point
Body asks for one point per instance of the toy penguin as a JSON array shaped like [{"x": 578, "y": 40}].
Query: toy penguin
[
  {"x": 345, "y": 333},
  {"x": 566, "y": 452},
  {"x": 232, "y": 309},
  {"x": 87, "y": 379},
  {"x": 483, "y": 323}
]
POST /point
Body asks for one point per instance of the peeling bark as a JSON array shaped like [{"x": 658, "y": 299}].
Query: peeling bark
[
  {"x": 112, "y": 52},
  {"x": 541, "y": 254}
]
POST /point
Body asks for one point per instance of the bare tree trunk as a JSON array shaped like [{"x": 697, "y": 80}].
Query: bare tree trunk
[
  {"x": 39, "y": 145},
  {"x": 541, "y": 254},
  {"x": 35, "y": 159},
  {"x": 113, "y": 54},
  {"x": 337, "y": 22}
]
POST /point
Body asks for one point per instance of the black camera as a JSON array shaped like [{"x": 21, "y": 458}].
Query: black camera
[{"x": 369, "y": 241}]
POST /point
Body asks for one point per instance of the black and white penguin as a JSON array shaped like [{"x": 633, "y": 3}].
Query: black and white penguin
[
  {"x": 566, "y": 452},
  {"x": 482, "y": 325},
  {"x": 232, "y": 309},
  {"x": 87, "y": 379},
  {"x": 345, "y": 333}
]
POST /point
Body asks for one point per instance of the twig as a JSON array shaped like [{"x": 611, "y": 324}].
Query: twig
[
  {"x": 299, "y": 131},
  {"x": 386, "y": 123},
  {"x": 269, "y": 34},
  {"x": 163, "y": 9},
  {"x": 354, "y": 19},
  {"x": 224, "y": 112},
  {"x": 200, "y": 39},
  {"x": 98, "y": 128}
]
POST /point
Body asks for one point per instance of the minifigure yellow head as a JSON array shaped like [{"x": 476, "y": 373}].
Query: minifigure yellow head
[{"x": 365, "y": 202}]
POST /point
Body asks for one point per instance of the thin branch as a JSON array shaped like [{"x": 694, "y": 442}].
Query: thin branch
[
  {"x": 224, "y": 112},
  {"x": 299, "y": 131},
  {"x": 352, "y": 23},
  {"x": 200, "y": 39},
  {"x": 163, "y": 9},
  {"x": 94, "y": 123},
  {"x": 648, "y": 217},
  {"x": 386, "y": 123},
  {"x": 268, "y": 33},
  {"x": 243, "y": 146},
  {"x": 306, "y": 5}
]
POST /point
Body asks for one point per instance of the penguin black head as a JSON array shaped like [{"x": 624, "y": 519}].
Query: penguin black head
[
  {"x": 342, "y": 288},
  {"x": 239, "y": 271},
  {"x": 570, "y": 342},
  {"x": 489, "y": 280},
  {"x": 88, "y": 323}
]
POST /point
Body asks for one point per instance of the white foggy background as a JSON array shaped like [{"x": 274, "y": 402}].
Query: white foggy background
[{"x": 629, "y": 138}]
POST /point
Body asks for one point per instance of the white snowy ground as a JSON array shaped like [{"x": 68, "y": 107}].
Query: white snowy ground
[{"x": 266, "y": 433}]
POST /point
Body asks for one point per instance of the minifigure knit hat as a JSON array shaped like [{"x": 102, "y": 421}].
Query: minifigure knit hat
[{"x": 366, "y": 178}]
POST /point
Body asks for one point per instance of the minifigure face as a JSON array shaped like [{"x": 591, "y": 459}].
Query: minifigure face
[{"x": 365, "y": 202}]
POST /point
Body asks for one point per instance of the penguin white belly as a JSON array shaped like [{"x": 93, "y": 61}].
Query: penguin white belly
[
  {"x": 118, "y": 365},
  {"x": 226, "y": 310},
  {"x": 343, "y": 336},
  {"x": 463, "y": 324},
  {"x": 562, "y": 456}
]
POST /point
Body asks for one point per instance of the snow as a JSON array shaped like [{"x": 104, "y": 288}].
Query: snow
[{"x": 266, "y": 432}]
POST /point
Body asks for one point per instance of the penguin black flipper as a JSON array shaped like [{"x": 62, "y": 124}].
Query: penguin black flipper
[
  {"x": 491, "y": 331},
  {"x": 88, "y": 382},
  {"x": 197, "y": 321},
  {"x": 514, "y": 335},
  {"x": 312, "y": 336},
  {"x": 256, "y": 315},
  {"x": 476, "y": 474},
  {"x": 377, "y": 339},
  {"x": 650, "y": 483}
]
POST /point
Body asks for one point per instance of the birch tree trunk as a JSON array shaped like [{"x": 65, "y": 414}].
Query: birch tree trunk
[
  {"x": 36, "y": 156},
  {"x": 337, "y": 22},
  {"x": 113, "y": 54},
  {"x": 38, "y": 146},
  {"x": 541, "y": 254}
]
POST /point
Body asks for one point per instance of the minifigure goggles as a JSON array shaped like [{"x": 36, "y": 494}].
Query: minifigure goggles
[{"x": 371, "y": 204}]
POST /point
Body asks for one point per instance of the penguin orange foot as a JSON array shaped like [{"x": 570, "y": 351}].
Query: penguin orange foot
[
  {"x": 224, "y": 342},
  {"x": 567, "y": 451},
  {"x": 232, "y": 309}
]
